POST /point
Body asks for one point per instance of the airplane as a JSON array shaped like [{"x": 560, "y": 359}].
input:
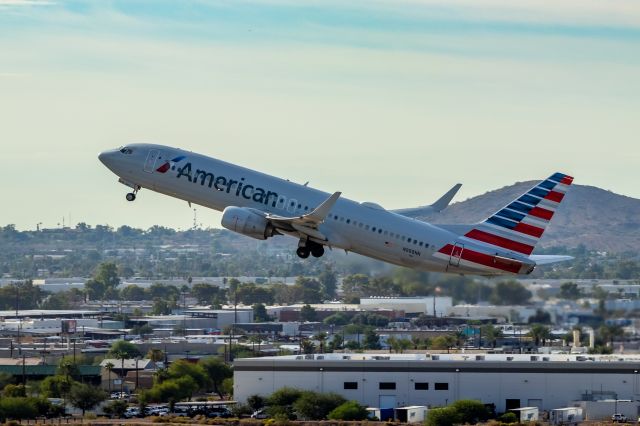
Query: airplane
[{"x": 261, "y": 206}]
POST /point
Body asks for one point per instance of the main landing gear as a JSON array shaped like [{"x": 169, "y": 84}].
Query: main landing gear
[{"x": 307, "y": 248}]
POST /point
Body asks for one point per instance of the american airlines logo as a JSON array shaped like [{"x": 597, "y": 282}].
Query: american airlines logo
[
  {"x": 170, "y": 164},
  {"x": 228, "y": 185}
]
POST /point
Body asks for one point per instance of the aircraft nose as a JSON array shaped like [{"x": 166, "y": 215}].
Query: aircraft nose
[{"x": 106, "y": 157}]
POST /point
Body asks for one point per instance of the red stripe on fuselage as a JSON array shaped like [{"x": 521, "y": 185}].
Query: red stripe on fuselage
[
  {"x": 525, "y": 228},
  {"x": 555, "y": 196},
  {"x": 541, "y": 213},
  {"x": 495, "y": 240},
  {"x": 567, "y": 180},
  {"x": 484, "y": 259}
]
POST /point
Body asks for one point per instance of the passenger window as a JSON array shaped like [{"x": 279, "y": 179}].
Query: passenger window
[
  {"x": 348, "y": 220},
  {"x": 379, "y": 231},
  {"x": 373, "y": 229},
  {"x": 420, "y": 244}
]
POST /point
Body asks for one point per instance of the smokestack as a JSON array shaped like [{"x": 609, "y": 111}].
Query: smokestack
[{"x": 576, "y": 338}]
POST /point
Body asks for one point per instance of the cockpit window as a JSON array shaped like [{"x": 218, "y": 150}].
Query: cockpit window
[{"x": 126, "y": 150}]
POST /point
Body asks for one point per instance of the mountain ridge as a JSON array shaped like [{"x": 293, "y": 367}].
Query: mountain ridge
[{"x": 597, "y": 218}]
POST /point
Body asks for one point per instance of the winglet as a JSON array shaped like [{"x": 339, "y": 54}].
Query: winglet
[
  {"x": 321, "y": 212},
  {"x": 444, "y": 201}
]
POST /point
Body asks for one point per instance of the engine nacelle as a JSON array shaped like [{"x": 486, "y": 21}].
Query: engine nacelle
[{"x": 245, "y": 222}]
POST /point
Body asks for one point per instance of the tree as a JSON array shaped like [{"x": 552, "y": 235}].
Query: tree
[
  {"x": 94, "y": 289},
  {"x": 217, "y": 371},
  {"x": 307, "y": 346},
  {"x": 316, "y": 406},
  {"x": 109, "y": 366},
  {"x": 539, "y": 333},
  {"x": 256, "y": 402},
  {"x": 491, "y": 334},
  {"x": 308, "y": 290},
  {"x": 55, "y": 386},
  {"x": 336, "y": 319},
  {"x": 569, "y": 290},
  {"x": 107, "y": 274},
  {"x": 116, "y": 409},
  {"x": 132, "y": 292},
  {"x": 442, "y": 416},
  {"x": 470, "y": 411},
  {"x": 123, "y": 349},
  {"x": 205, "y": 293},
  {"x": 371, "y": 340},
  {"x": 172, "y": 390},
  {"x": 86, "y": 397},
  {"x": 183, "y": 368},
  {"x": 510, "y": 293},
  {"x": 329, "y": 281},
  {"x": 161, "y": 307},
  {"x": 155, "y": 355},
  {"x": 260, "y": 313},
  {"x": 307, "y": 313},
  {"x": 14, "y": 391},
  {"x": 540, "y": 317},
  {"x": 349, "y": 411},
  {"x": 18, "y": 408}
]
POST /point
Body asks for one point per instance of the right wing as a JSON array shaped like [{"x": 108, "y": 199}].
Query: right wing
[{"x": 307, "y": 224}]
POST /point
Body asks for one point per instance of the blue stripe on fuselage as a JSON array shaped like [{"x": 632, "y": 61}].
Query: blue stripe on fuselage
[
  {"x": 495, "y": 220},
  {"x": 510, "y": 214}
]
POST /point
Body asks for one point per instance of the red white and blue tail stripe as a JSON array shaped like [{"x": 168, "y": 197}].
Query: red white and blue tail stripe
[{"x": 519, "y": 226}]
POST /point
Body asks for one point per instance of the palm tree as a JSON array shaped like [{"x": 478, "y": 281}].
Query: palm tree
[
  {"x": 491, "y": 334},
  {"x": 155, "y": 355},
  {"x": 321, "y": 337},
  {"x": 539, "y": 332},
  {"x": 109, "y": 366}
]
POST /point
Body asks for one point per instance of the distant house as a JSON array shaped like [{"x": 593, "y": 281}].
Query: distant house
[{"x": 121, "y": 369}]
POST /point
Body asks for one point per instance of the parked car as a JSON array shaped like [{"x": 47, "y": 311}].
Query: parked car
[
  {"x": 618, "y": 418},
  {"x": 259, "y": 414},
  {"x": 131, "y": 412}
]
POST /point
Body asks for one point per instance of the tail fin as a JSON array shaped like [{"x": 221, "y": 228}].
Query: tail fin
[{"x": 519, "y": 225}]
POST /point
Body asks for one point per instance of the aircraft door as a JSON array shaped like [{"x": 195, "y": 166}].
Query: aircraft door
[
  {"x": 456, "y": 254},
  {"x": 152, "y": 157}
]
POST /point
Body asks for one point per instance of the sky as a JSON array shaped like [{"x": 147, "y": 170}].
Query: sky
[{"x": 391, "y": 101}]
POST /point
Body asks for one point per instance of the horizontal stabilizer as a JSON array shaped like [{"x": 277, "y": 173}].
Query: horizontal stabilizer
[{"x": 547, "y": 259}]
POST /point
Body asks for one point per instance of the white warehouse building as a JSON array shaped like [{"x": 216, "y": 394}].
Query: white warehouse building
[{"x": 388, "y": 381}]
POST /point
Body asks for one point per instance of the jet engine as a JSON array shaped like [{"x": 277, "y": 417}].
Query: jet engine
[{"x": 246, "y": 222}]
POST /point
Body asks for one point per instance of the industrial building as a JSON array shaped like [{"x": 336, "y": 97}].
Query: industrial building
[{"x": 397, "y": 380}]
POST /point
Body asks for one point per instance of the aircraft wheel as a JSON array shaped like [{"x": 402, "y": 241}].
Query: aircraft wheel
[
  {"x": 317, "y": 251},
  {"x": 131, "y": 196},
  {"x": 303, "y": 252}
]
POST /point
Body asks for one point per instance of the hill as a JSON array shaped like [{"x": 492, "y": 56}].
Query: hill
[{"x": 599, "y": 219}]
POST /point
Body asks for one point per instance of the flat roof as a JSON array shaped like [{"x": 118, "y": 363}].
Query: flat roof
[
  {"x": 23, "y": 313},
  {"x": 445, "y": 363}
]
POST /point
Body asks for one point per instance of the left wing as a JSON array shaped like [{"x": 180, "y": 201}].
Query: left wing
[
  {"x": 436, "y": 207},
  {"x": 307, "y": 224}
]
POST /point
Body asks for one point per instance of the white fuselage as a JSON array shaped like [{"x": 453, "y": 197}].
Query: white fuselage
[{"x": 363, "y": 228}]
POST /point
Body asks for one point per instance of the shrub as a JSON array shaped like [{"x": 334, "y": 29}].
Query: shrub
[
  {"x": 350, "y": 410},
  {"x": 508, "y": 417},
  {"x": 470, "y": 411},
  {"x": 284, "y": 396},
  {"x": 115, "y": 408},
  {"x": 316, "y": 406},
  {"x": 444, "y": 416}
]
